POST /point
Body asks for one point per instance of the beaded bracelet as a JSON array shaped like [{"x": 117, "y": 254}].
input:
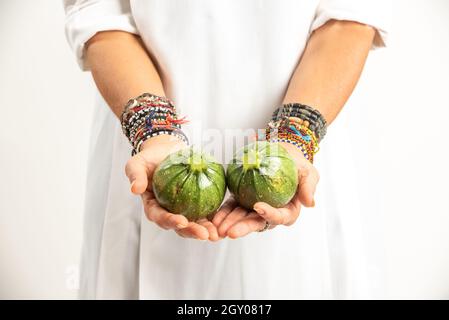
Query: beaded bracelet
[
  {"x": 149, "y": 115},
  {"x": 136, "y": 108},
  {"x": 298, "y": 128},
  {"x": 305, "y": 141},
  {"x": 300, "y": 146},
  {"x": 179, "y": 134},
  {"x": 315, "y": 121}
]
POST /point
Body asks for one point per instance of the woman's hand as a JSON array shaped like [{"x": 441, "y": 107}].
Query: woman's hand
[
  {"x": 139, "y": 170},
  {"x": 235, "y": 222}
]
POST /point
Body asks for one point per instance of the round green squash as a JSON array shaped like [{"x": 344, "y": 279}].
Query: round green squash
[
  {"x": 262, "y": 171},
  {"x": 191, "y": 183}
]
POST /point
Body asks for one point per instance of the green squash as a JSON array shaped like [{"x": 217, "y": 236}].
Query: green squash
[
  {"x": 190, "y": 183},
  {"x": 262, "y": 171}
]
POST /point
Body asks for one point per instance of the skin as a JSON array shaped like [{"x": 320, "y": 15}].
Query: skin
[{"x": 324, "y": 78}]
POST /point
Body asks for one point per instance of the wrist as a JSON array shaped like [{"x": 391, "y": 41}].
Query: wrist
[
  {"x": 164, "y": 140},
  {"x": 158, "y": 148},
  {"x": 293, "y": 150}
]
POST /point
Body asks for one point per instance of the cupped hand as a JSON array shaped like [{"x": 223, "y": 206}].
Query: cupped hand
[
  {"x": 139, "y": 170},
  {"x": 235, "y": 222}
]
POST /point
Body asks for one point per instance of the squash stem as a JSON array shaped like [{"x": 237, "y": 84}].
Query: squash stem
[
  {"x": 197, "y": 163},
  {"x": 251, "y": 160}
]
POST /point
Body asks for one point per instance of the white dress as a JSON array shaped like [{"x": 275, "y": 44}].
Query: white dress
[{"x": 226, "y": 65}]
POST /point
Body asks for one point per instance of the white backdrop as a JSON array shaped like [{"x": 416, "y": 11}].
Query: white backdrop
[{"x": 46, "y": 105}]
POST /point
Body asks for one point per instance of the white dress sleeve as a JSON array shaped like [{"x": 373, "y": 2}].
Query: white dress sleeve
[
  {"x": 84, "y": 18},
  {"x": 376, "y": 13}
]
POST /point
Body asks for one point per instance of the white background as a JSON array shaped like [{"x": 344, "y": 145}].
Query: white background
[{"x": 46, "y": 105}]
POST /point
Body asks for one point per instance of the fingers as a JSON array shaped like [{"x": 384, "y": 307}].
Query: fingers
[
  {"x": 211, "y": 228},
  {"x": 308, "y": 180},
  {"x": 194, "y": 230},
  {"x": 160, "y": 216},
  {"x": 225, "y": 209},
  {"x": 251, "y": 223},
  {"x": 138, "y": 172},
  {"x": 276, "y": 216},
  {"x": 203, "y": 230},
  {"x": 235, "y": 215}
]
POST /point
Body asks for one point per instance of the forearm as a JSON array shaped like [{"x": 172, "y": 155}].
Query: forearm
[
  {"x": 330, "y": 67},
  {"x": 121, "y": 68}
]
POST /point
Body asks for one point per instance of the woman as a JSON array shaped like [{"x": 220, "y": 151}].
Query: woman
[{"x": 226, "y": 65}]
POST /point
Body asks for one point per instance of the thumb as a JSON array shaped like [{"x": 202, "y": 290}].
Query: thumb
[
  {"x": 137, "y": 172},
  {"x": 308, "y": 180}
]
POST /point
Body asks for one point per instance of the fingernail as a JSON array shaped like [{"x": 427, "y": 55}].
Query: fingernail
[
  {"x": 181, "y": 226},
  {"x": 259, "y": 211},
  {"x": 313, "y": 202}
]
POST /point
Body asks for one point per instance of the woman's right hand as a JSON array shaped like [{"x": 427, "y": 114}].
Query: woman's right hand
[{"x": 139, "y": 170}]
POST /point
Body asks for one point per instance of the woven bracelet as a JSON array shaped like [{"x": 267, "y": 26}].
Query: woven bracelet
[
  {"x": 298, "y": 124},
  {"x": 147, "y": 116}
]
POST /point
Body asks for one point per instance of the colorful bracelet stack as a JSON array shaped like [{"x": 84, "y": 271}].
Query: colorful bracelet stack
[
  {"x": 315, "y": 121},
  {"x": 149, "y": 115},
  {"x": 299, "y": 125}
]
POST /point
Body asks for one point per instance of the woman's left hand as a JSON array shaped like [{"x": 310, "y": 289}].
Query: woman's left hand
[{"x": 235, "y": 222}]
